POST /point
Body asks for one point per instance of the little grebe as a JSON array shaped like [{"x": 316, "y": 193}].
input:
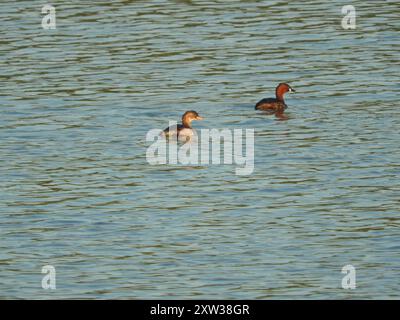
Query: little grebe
[
  {"x": 278, "y": 104},
  {"x": 185, "y": 129}
]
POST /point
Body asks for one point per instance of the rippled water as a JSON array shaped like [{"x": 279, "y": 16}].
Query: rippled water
[{"x": 78, "y": 194}]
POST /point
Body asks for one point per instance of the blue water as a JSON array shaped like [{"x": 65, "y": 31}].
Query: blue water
[{"x": 76, "y": 191}]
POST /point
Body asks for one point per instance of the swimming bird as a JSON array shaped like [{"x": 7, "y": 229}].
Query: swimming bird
[
  {"x": 278, "y": 104},
  {"x": 185, "y": 129}
]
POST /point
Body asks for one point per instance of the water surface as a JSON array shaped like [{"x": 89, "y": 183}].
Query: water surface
[{"x": 77, "y": 192}]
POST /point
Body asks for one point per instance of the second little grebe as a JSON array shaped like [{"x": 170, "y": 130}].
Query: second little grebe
[
  {"x": 185, "y": 129},
  {"x": 278, "y": 104}
]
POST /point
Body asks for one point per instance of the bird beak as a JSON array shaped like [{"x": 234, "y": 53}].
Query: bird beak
[
  {"x": 292, "y": 90},
  {"x": 199, "y": 118}
]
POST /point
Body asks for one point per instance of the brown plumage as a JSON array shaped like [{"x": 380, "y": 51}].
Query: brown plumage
[
  {"x": 184, "y": 129},
  {"x": 278, "y": 104}
]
